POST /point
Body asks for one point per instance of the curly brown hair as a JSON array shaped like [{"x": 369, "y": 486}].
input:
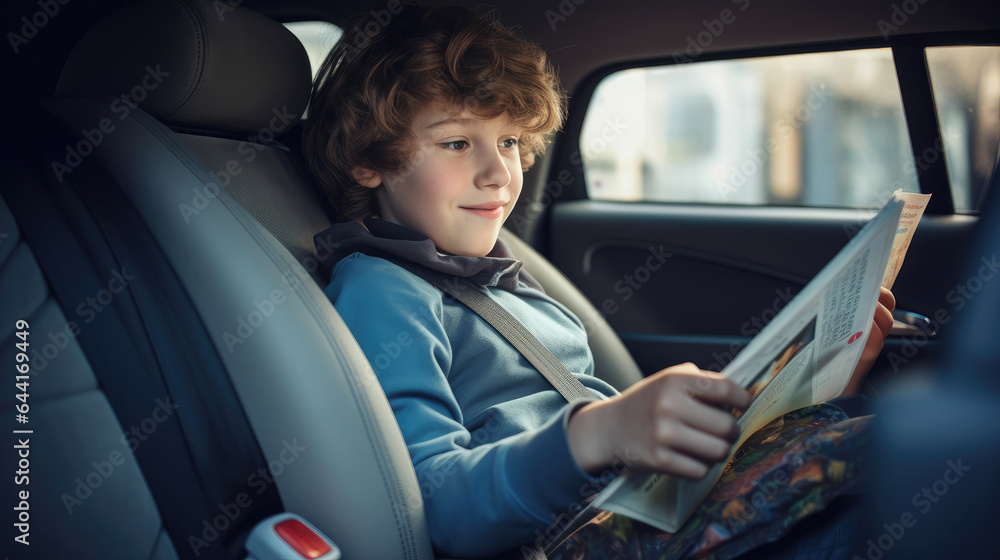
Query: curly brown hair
[{"x": 382, "y": 73}]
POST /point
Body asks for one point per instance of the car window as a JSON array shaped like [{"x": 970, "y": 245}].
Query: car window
[
  {"x": 318, "y": 37},
  {"x": 817, "y": 129},
  {"x": 966, "y": 85}
]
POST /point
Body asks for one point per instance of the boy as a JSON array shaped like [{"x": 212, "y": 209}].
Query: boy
[{"x": 419, "y": 134}]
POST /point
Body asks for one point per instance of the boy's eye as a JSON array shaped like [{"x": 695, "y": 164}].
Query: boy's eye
[
  {"x": 457, "y": 145},
  {"x": 509, "y": 142}
]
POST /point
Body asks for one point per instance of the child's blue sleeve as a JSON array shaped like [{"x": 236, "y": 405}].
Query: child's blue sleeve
[{"x": 479, "y": 501}]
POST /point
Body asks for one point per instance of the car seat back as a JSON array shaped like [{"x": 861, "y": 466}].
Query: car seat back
[
  {"x": 78, "y": 489},
  {"x": 196, "y": 104},
  {"x": 316, "y": 410}
]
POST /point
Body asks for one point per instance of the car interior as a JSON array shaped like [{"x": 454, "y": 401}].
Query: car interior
[{"x": 189, "y": 378}]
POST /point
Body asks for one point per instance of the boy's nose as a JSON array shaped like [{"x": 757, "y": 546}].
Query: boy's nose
[{"x": 493, "y": 171}]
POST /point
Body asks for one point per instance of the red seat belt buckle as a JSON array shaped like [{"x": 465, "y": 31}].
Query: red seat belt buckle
[{"x": 287, "y": 536}]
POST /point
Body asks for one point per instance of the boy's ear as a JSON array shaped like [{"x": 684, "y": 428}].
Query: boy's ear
[{"x": 367, "y": 177}]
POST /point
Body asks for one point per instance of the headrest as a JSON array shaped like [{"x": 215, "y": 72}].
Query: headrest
[{"x": 198, "y": 64}]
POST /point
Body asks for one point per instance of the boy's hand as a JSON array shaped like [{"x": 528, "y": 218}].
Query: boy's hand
[
  {"x": 669, "y": 422},
  {"x": 881, "y": 324}
]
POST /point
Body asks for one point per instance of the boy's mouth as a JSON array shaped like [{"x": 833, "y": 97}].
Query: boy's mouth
[{"x": 487, "y": 210}]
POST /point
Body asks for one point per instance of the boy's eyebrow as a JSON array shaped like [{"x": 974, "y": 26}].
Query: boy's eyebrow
[{"x": 457, "y": 120}]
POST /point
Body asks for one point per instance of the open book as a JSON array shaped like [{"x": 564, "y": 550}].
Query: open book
[{"x": 804, "y": 356}]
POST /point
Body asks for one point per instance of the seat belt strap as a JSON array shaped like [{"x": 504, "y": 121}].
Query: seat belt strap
[{"x": 509, "y": 327}]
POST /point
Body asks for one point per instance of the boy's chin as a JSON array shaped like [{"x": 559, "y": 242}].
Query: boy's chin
[{"x": 470, "y": 249}]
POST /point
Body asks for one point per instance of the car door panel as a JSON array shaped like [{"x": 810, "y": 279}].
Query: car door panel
[{"x": 695, "y": 283}]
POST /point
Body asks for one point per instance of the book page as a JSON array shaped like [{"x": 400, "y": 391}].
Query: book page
[
  {"x": 914, "y": 209},
  {"x": 804, "y": 356}
]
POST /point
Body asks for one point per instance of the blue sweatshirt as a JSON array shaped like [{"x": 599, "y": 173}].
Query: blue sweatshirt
[{"x": 485, "y": 431}]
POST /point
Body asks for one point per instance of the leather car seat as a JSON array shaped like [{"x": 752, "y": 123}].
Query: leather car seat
[{"x": 194, "y": 96}]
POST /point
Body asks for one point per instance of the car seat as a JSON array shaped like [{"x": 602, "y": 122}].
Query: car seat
[{"x": 175, "y": 173}]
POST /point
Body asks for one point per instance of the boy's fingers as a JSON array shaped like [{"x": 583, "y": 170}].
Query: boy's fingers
[
  {"x": 713, "y": 421},
  {"x": 883, "y": 319},
  {"x": 712, "y": 388},
  {"x": 886, "y": 298},
  {"x": 692, "y": 442},
  {"x": 686, "y": 367},
  {"x": 677, "y": 463}
]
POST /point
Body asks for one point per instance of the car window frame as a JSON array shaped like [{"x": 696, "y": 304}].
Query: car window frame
[{"x": 912, "y": 75}]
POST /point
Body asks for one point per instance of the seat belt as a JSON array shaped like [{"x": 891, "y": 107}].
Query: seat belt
[{"x": 509, "y": 327}]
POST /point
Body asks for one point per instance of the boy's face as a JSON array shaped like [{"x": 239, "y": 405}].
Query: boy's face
[{"x": 461, "y": 183}]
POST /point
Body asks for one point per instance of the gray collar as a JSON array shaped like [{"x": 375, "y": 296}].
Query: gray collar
[{"x": 499, "y": 268}]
